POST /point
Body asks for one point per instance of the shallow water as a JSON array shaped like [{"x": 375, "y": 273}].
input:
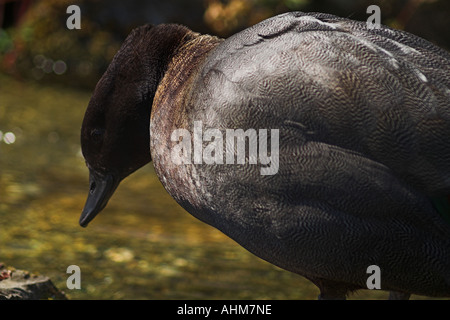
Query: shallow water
[{"x": 142, "y": 246}]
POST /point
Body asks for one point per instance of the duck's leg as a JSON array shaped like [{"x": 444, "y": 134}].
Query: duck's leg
[
  {"x": 395, "y": 295},
  {"x": 327, "y": 296},
  {"x": 330, "y": 290}
]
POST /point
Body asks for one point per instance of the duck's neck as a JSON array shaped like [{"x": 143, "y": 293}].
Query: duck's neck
[
  {"x": 170, "y": 112},
  {"x": 181, "y": 69}
]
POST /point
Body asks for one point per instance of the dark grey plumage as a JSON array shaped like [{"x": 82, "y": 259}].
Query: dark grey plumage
[{"x": 364, "y": 123}]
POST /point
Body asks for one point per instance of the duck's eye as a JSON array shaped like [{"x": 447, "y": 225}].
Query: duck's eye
[{"x": 97, "y": 135}]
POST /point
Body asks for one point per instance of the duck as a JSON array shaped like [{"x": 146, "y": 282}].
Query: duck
[{"x": 356, "y": 121}]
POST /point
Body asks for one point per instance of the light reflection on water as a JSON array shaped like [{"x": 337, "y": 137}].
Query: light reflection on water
[
  {"x": 8, "y": 137},
  {"x": 142, "y": 246}
]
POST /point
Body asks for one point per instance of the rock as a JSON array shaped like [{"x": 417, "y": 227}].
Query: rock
[{"x": 22, "y": 285}]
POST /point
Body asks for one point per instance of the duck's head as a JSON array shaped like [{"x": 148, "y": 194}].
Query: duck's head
[{"x": 115, "y": 135}]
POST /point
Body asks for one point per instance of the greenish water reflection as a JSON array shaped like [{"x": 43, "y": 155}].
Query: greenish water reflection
[{"x": 142, "y": 246}]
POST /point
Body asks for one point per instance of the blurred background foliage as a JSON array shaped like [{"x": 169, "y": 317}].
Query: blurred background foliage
[{"x": 35, "y": 43}]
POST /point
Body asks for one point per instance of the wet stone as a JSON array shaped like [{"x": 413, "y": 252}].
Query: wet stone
[{"x": 23, "y": 285}]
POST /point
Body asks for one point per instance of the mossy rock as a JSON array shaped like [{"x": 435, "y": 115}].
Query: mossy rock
[{"x": 23, "y": 285}]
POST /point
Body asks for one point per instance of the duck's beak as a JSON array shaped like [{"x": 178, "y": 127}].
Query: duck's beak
[{"x": 101, "y": 188}]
